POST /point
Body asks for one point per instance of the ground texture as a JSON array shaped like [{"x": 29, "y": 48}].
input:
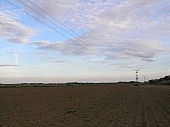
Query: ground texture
[{"x": 86, "y": 106}]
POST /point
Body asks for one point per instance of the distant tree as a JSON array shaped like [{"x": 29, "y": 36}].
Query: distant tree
[
  {"x": 161, "y": 79},
  {"x": 167, "y": 78},
  {"x": 151, "y": 82}
]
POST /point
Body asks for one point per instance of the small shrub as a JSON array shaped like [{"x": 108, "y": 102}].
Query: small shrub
[{"x": 136, "y": 85}]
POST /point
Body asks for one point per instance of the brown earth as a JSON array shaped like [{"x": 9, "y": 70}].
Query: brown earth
[{"x": 86, "y": 106}]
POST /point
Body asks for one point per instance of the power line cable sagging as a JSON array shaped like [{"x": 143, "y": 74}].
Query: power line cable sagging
[
  {"x": 74, "y": 34},
  {"x": 84, "y": 43}
]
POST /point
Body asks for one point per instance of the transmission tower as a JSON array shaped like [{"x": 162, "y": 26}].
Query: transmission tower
[
  {"x": 144, "y": 78},
  {"x": 136, "y": 75}
]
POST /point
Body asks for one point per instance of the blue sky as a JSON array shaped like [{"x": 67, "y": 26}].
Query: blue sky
[{"x": 103, "y": 41}]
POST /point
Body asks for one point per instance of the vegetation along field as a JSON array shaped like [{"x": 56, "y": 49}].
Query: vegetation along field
[{"x": 86, "y": 106}]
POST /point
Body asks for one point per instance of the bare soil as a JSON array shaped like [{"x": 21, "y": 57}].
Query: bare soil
[{"x": 86, "y": 106}]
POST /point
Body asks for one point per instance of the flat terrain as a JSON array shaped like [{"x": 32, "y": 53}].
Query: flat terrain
[{"x": 86, "y": 106}]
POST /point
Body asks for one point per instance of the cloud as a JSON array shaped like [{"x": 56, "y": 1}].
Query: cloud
[
  {"x": 68, "y": 48},
  {"x": 12, "y": 30},
  {"x": 135, "y": 64},
  {"x": 15, "y": 56},
  {"x": 40, "y": 43},
  {"x": 147, "y": 60},
  {"x": 65, "y": 11},
  {"x": 118, "y": 29},
  {"x": 41, "y": 53},
  {"x": 90, "y": 59},
  {"x": 140, "y": 54},
  {"x": 59, "y": 61},
  {"x": 47, "y": 58},
  {"x": 9, "y": 65}
]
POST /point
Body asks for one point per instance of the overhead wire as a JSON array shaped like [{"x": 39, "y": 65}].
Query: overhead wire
[
  {"x": 92, "y": 46},
  {"x": 68, "y": 28},
  {"x": 50, "y": 27},
  {"x": 89, "y": 44}
]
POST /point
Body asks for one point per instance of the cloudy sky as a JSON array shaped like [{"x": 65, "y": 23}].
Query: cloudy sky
[{"x": 83, "y": 40}]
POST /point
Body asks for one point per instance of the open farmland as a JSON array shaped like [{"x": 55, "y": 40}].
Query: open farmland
[{"x": 86, "y": 106}]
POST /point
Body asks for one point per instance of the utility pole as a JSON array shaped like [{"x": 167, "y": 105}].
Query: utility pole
[
  {"x": 136, "y": 75},
  {"x": 144, "y": 78}
]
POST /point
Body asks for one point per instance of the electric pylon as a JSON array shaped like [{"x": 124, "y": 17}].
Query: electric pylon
[{"x": 136, "y": 75}]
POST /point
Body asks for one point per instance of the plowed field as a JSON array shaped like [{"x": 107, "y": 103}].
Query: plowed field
[{"x": 86, "y": 106}]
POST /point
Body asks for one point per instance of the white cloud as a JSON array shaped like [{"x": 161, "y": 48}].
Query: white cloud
[
  {"x": 11, "y": 59},
  {"x": 59, "y": 61},
  {"x": 40, "y": 43},
  {"x": 41, "y": 53},
  {"x": 147, "y": 60},
  {"x": 16, "y": 58},
  {"x": 12, "y": 30},
  {"x": 139, "y": 54},
  {"x": 69, "y": 48},
  {"x": 9, "y": 65},
  {"x": 121, "y": 29}
]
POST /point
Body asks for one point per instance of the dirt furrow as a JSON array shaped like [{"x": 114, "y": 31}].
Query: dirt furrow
[
  {"x": 136, "y": 112},
  {"x": 116, "y": 110},
  {"x": 151, "y": 109},
  {"x": 162, "y": 111},
  {"x": 86, "y": 106},
  {"x": 126, "y": 116},
  {"x": 143, "y": 107}
]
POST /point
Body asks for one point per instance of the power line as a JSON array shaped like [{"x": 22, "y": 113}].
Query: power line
[
  {"x": 67, "y": 28},
  {"x": 96, "y": 49},
  {"x": 59, "y": 26},
  {"x": 51, "y": 27}
]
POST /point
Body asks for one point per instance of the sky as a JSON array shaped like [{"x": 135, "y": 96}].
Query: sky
[{"x": 84, "y": 40}]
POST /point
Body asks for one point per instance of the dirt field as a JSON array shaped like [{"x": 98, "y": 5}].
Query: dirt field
[{"x": 86, "y": 106}]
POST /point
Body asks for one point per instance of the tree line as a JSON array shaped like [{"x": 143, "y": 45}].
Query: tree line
[{"x": 162, "y": 81}]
